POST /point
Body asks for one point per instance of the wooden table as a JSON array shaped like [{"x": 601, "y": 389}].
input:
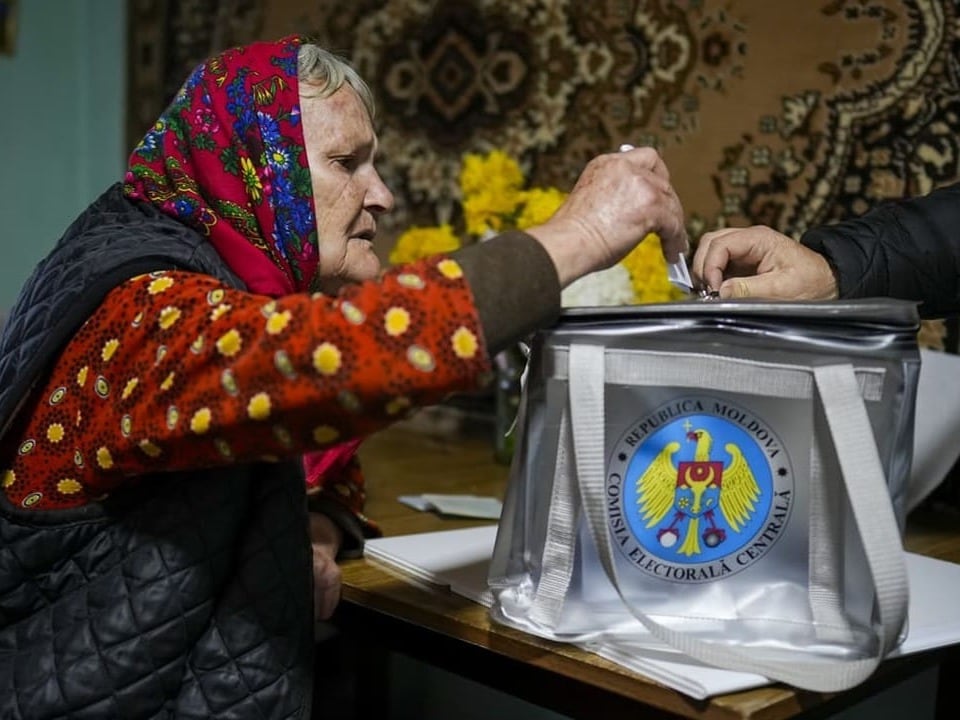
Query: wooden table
[{"x": 382, "y": 608}]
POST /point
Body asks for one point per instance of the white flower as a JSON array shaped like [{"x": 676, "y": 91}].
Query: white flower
[{"x": 604, "y": 287}]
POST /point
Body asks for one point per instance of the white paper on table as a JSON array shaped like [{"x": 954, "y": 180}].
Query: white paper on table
[
  {"x": 473, "y": 506},
  {"x": 937, "y": 424},
  {"x": 460, "y": 559},
  {"x": 688, "y": 676}
]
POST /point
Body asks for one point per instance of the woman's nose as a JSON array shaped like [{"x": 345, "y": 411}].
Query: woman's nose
[{"x": 379, "y": 197}]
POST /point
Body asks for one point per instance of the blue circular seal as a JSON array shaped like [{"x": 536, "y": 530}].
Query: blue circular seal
[{"x": 698, "y": 489}]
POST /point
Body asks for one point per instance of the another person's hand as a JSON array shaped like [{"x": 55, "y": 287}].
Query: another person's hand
[
  {"x": 618, "y": 199},
  {"x": 325, "y": 539},
  {"x": 761, "y": 262}
]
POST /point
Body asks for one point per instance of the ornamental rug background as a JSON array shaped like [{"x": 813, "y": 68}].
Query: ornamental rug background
[{"x": 787, "y": 114}]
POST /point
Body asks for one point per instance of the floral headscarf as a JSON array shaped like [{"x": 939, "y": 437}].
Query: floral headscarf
[{"x": 227, "y": 158}]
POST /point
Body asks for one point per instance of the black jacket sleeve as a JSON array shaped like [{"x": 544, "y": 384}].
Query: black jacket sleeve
[{"x": 908, "y": 249}]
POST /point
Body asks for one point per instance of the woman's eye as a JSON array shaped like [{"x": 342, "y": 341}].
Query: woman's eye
[{"x": 348, "y": 162}]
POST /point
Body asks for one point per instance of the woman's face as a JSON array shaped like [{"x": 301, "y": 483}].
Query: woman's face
[{"x": 348, "y": 193}]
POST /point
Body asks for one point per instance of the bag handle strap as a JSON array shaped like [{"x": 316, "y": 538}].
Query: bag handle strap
[
  {"x": 862, "y": 472},
  {"x": 557, "y": 560}
]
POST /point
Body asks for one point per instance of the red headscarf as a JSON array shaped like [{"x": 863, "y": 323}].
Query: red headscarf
[{"x": 227, "y": 158}]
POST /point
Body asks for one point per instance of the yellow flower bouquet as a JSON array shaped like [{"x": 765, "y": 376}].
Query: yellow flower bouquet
[{"x": 494, "y": 198}]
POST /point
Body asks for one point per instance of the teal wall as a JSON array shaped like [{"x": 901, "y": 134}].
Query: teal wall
[{"x": 61, "y": 125}]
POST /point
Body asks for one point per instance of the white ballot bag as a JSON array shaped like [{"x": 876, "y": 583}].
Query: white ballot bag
[{"x": 724, "y": 480}]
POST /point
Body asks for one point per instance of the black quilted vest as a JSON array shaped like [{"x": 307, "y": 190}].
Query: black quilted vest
[{"x": 183, "y": 596}]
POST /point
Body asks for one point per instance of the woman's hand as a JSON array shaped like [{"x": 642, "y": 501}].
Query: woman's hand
[
  {"x": 618, "y": 200},
  {"x": 325, "y": 539}
]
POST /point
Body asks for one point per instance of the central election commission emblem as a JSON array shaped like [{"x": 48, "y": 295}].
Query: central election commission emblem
[{"x": 698, "y": 489}]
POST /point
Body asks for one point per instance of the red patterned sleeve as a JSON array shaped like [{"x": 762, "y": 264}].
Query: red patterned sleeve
[{"x": 174, "y": 371}]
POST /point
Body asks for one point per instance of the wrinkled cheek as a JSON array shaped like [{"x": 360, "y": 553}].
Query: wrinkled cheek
[{"x": 362, "y": 261}]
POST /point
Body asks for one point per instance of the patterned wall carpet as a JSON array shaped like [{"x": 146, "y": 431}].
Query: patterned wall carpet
[{"x": 783, "y": 113}]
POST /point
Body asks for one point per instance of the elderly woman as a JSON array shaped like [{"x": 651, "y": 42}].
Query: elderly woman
[{"x": 196, "y": 331}]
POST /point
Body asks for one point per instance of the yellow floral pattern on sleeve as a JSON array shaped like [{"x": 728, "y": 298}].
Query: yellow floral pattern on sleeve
[{"x": 174, "y": 371}]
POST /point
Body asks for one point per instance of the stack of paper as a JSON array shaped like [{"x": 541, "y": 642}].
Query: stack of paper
[{"x": 459, "y": 559}]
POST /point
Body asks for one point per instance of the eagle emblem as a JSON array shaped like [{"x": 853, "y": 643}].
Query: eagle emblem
[{"x": 680, "y": 496}]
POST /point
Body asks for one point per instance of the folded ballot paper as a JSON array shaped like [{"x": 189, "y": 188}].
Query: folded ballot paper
[{"x": 459, "y": 559}]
